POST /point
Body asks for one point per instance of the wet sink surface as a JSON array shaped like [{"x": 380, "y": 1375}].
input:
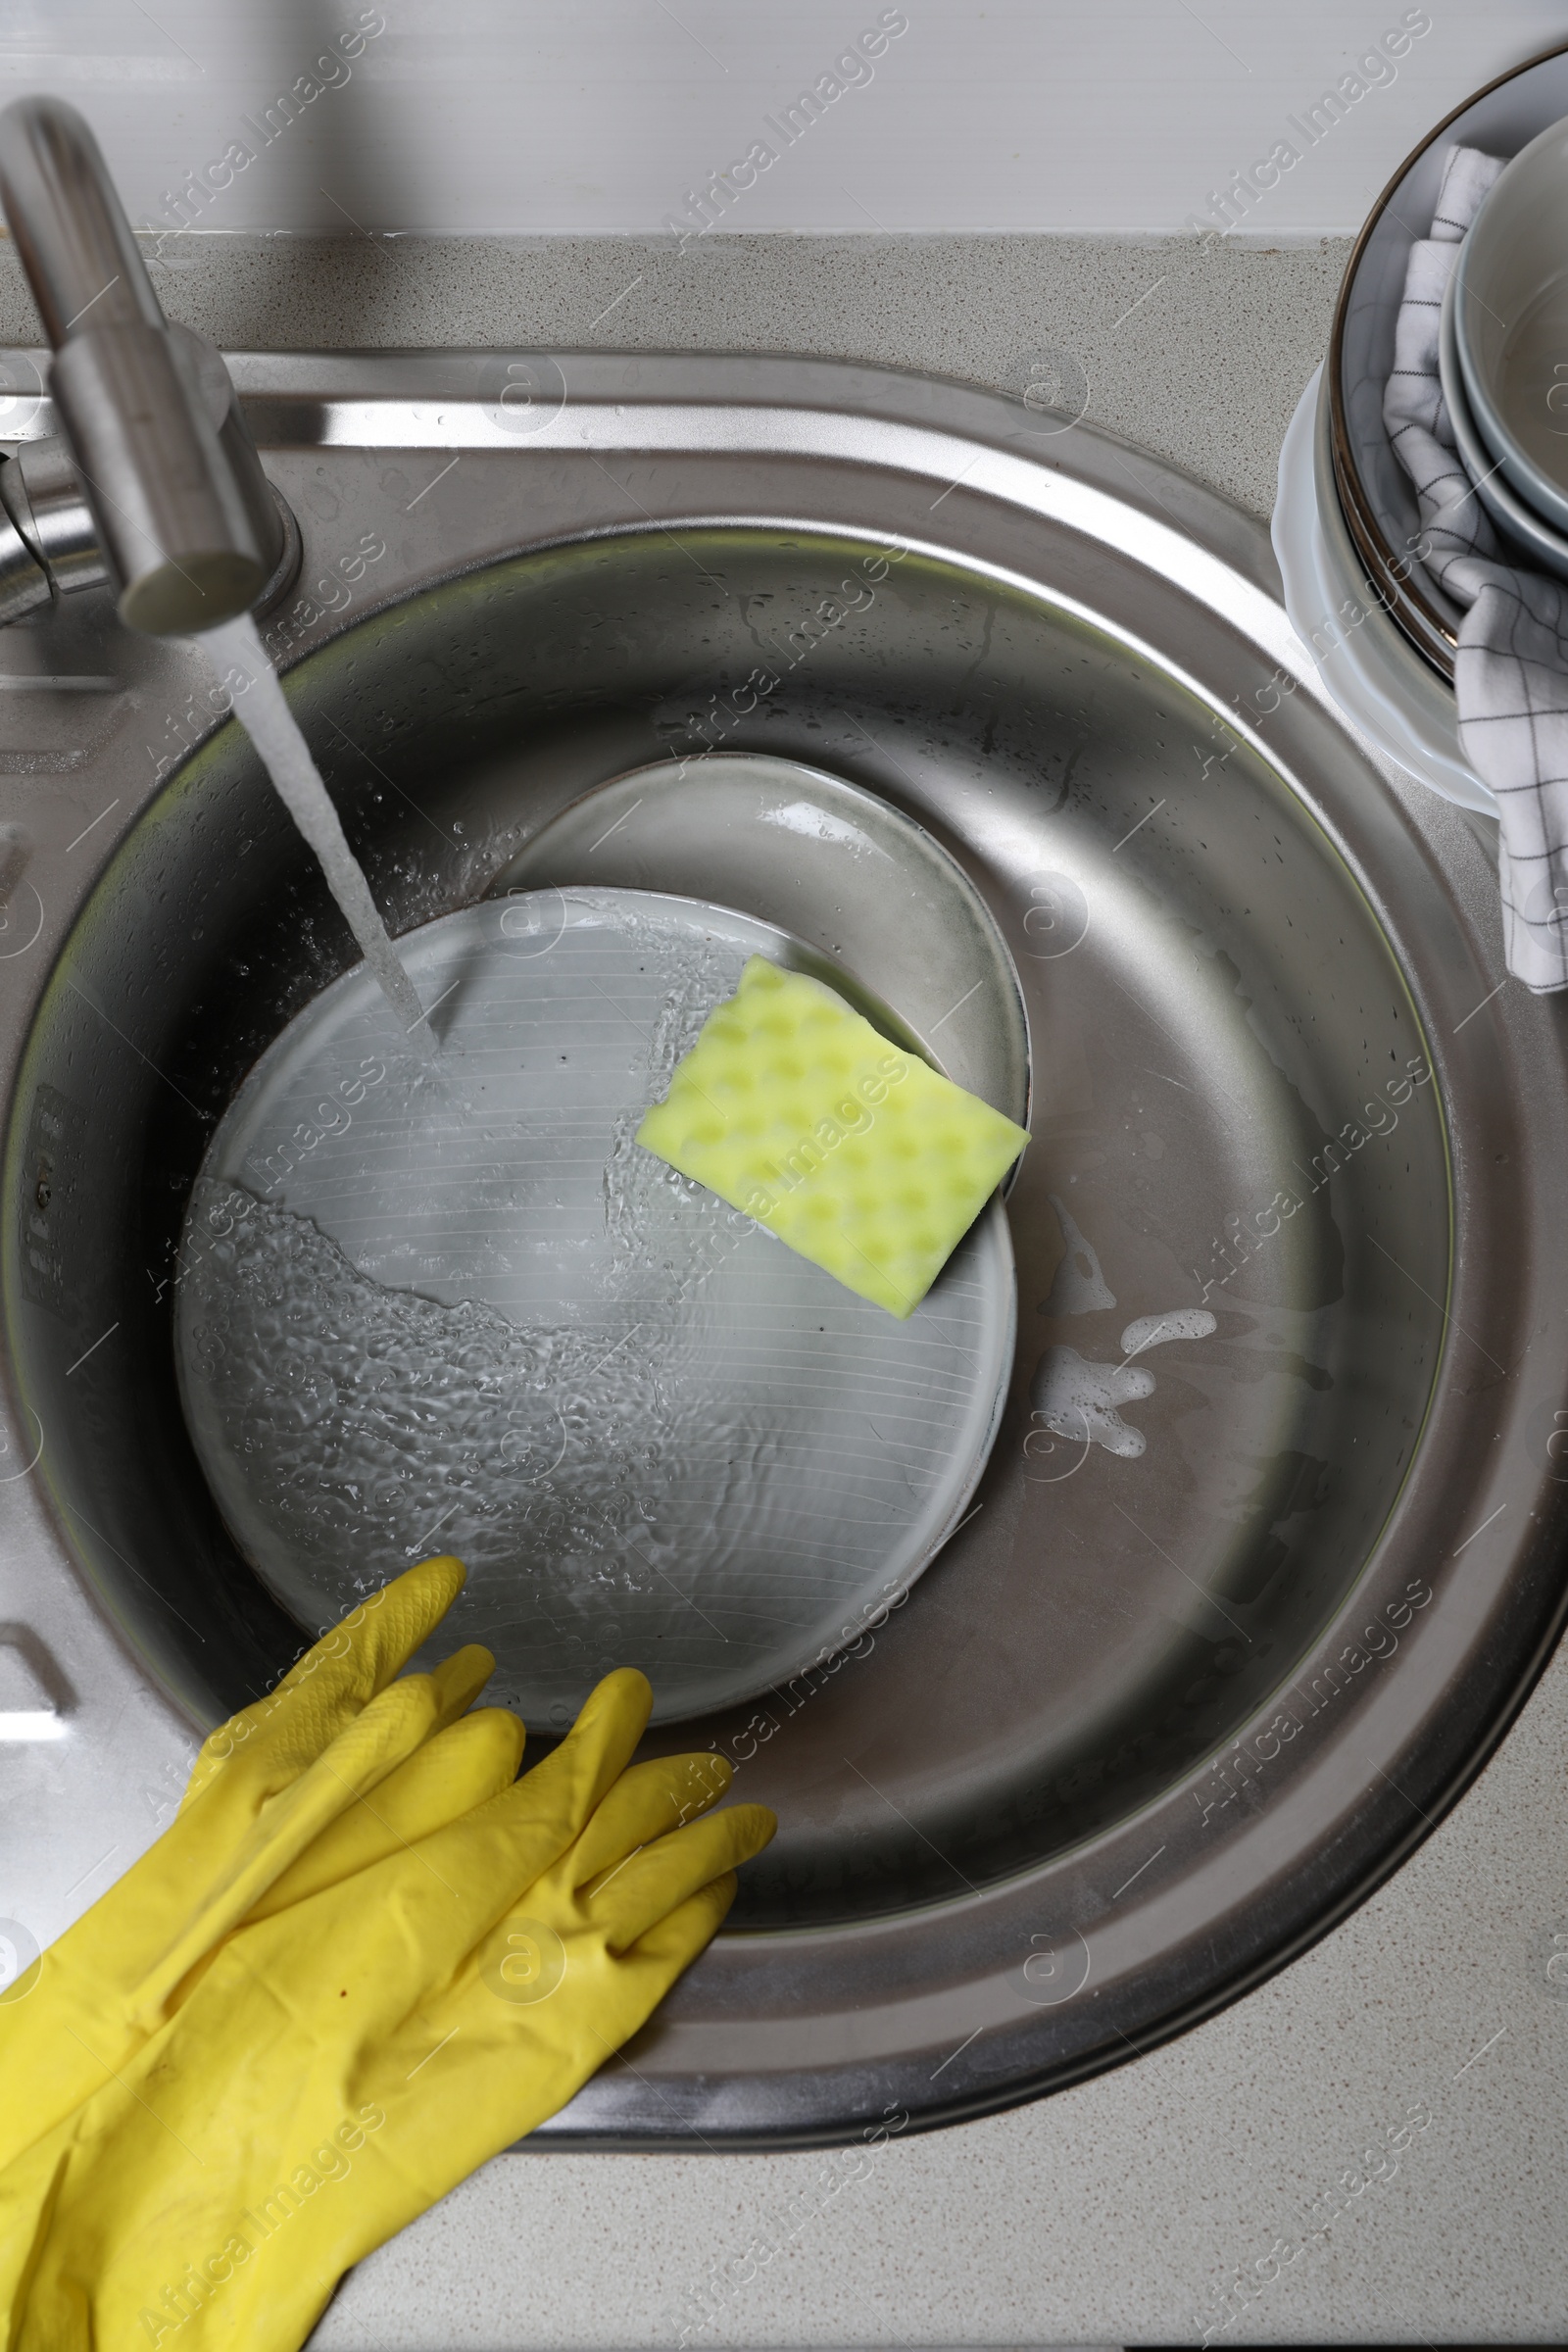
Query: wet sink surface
[{"x": 1203, "y": 1658}]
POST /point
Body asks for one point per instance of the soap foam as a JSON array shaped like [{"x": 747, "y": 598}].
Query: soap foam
[{"x": 1071, "y": 1395}]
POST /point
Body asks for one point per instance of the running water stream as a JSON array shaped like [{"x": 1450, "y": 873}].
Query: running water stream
[{"x": 265, "y": 715}]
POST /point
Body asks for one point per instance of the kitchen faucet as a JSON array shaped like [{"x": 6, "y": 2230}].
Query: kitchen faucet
[{"x": 151, "y": 482}]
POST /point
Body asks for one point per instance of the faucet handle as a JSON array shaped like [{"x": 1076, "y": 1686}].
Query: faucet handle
[
  {"x": 24, "y": 582},
  {"x": 41, "y": 492}
]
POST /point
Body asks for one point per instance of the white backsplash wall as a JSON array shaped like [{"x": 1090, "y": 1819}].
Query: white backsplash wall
[{"x": 604, "y": 117}]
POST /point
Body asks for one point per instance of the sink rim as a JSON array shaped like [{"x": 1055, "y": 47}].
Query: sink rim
[{"x": 1234, "y": 565}]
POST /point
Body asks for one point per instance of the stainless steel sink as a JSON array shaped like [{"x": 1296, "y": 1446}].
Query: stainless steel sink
[{"x": 1237, "y": 1612}]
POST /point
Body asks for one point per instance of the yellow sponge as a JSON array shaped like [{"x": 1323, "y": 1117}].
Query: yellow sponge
[{"x": 791, "y": 1107}]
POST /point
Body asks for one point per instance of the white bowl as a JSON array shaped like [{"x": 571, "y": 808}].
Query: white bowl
[
  {"x": 1531, "y": 533},
  {"x": 1510, "y": 324}
]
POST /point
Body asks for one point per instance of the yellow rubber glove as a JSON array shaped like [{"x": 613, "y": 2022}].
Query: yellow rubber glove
[
  {"x": 472, "y": 1759},
  {"x": 294, "y": 1767},
  {"x": 344, "y": 2064}
]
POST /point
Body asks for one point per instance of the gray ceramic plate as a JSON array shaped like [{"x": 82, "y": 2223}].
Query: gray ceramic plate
[
  {"x": 827, "y": 863},
  {"x": 464, "y": 1312}
]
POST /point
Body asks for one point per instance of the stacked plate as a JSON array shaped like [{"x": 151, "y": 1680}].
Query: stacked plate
[{"x": 1345, "y": 525}]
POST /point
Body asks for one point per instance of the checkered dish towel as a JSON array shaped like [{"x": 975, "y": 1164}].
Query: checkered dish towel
[{"x": 1510, "y": 673}]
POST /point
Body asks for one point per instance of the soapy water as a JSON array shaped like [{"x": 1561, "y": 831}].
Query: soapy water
[
  {"x": 262, "y": 712},
  {"x": 1177, "y": 1323},
  {"x": 385, "y": 1427},
  {"x": 476, "y": 1316},
  {"x": 1079, "y": 1399}
]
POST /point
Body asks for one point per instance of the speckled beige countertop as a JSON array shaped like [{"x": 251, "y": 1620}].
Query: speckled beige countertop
[
  {"x": 1137, "y": 314},
  {"x": 1165, "y": 2197}
]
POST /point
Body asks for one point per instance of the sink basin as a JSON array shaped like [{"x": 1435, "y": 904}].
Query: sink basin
[{"x": 1271, "y": 1542}]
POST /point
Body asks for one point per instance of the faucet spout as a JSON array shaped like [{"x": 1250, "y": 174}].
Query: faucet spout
[{"x": 190, "y": 529}]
